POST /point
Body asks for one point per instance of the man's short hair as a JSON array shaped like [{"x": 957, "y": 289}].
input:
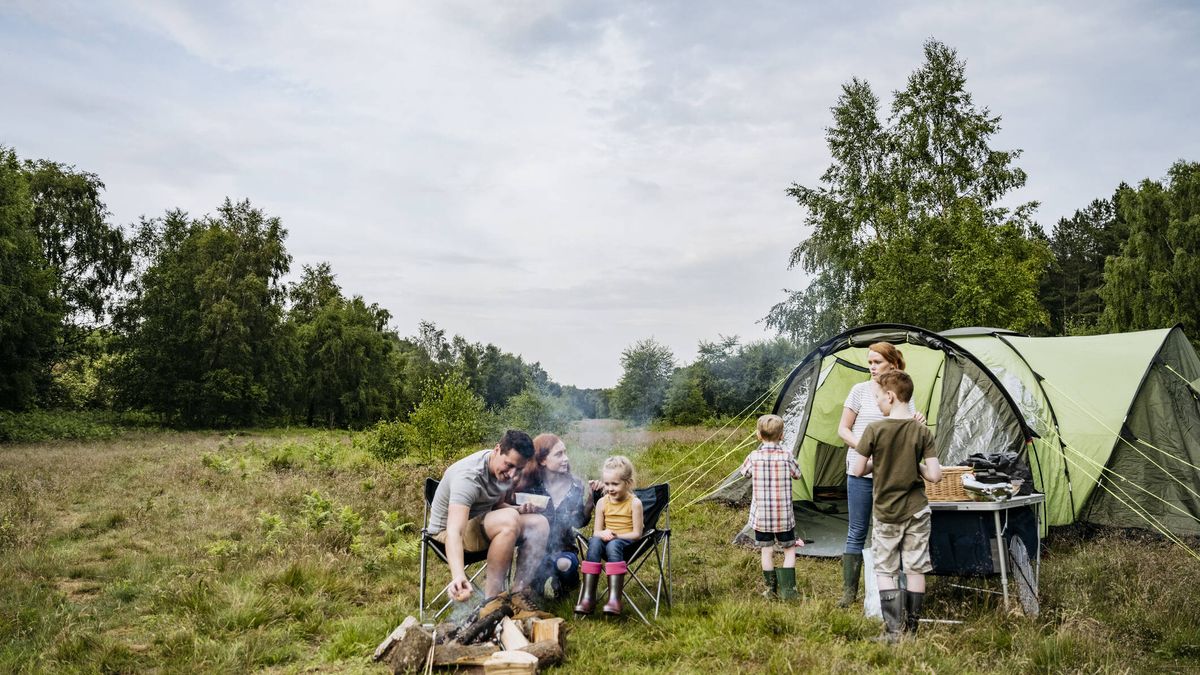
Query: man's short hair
[
  {"x": 770, "y": 427},
  {"x": 899, "y": 383},
  {"x": 519, "y": 441}
]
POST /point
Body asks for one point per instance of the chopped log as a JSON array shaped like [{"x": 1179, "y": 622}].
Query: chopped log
[
  {"x": 511, "y": 636},
  {"x": 455, "y": 654},
  {"x": 548, "y": 652},
  {"x": 406, "y": 648},
  {"x": 509, "y": 662},
  {"x": 549, "y": 629}
]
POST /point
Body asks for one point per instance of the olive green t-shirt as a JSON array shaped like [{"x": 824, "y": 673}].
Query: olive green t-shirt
[{"x": 898, "y": 446}]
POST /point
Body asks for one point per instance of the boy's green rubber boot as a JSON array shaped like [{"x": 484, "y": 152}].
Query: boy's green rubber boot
[
  {"x": 787, "y": 583},
  {"x": 913, "y": 602},
  {"x": 891, "y": 603},
  {"x": 770, "y": 580}
]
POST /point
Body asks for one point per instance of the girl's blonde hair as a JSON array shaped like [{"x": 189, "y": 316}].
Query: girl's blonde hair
[{"x": 621, "y": 465}]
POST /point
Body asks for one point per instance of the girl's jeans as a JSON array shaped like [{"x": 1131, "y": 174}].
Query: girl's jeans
[
  {"x": 858, "y": 499},
  {"x": 612, "y": 551}
]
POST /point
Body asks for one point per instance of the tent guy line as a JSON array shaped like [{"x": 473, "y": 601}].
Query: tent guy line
[
  {"x": 738, "y": 418},
  {"x": 1121, "y": 438},
  {"x": 1144, "y": 515}
]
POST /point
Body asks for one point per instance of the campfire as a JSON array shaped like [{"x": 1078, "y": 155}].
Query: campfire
[{"x": 507, "y": 633}]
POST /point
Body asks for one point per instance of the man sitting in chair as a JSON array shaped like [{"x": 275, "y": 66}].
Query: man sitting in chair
[{"x": 468, "y": 514}]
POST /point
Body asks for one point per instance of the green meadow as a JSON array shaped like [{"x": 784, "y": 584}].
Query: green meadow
[{"x": 297, "y": 551}]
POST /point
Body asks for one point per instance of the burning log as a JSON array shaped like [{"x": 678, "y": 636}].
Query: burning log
[{"x": 533, "y": 641}]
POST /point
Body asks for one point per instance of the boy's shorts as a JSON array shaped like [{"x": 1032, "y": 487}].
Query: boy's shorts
[
  {"x": 786, "y": 539},
  {"x": 907, "y": 543},
  {"x": 474, "y": 537}
]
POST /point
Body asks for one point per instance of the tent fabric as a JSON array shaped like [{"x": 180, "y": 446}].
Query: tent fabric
[{"x": 1118, "y": 420}]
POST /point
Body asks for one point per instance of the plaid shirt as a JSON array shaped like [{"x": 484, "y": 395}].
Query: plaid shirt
[{"x": 771, "y": 469}]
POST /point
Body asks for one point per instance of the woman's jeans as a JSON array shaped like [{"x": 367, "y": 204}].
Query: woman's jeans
[
  {"x": 612, "y": 551},
  {"x": 565, "y": 579},
  {"x": 858, "y": 500}
]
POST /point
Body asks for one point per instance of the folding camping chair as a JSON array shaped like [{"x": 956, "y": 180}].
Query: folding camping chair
[
  {"x": 474, "y": 562},
  {"x": 656, "y": 539}
]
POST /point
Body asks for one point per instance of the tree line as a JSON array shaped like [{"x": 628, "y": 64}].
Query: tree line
[
  {"x": 191, "y": 319},
  {"x": 913, "y": 222}
]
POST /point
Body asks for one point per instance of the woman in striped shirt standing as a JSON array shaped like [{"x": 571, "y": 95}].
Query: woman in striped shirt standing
[{"x": 859, "y": 411}]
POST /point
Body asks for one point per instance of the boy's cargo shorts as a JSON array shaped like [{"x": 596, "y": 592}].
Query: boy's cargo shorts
[{"x": 907, "y": 543}]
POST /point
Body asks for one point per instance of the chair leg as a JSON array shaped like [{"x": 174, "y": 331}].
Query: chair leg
[{"x": 421, "y": 584}]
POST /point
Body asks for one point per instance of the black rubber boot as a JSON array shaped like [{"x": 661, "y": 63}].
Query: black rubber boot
[
  {"x": 891, "y": 603},
  {"x": 772, "y": 583},
  {"x": 852, "y": 564},
  {"x": 787, "y": 583},
  {"x": 913, "y": 603},
  {"x": 588, "y": 602}
]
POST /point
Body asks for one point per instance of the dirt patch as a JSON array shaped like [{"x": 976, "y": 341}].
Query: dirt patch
[{"x": 77, "y": 590}]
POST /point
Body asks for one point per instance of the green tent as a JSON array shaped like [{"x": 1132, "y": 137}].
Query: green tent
[
  {"x": 1117, "y": 418},
  {"x": 965, "y": 406},
  {"x": 1109, "y": 424}
]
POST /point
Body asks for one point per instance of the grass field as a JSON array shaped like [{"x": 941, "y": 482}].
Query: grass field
[{"x": 295, "y": 551}]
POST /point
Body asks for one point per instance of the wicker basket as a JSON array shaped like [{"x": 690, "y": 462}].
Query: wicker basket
[{"x": 950, "y": 488}]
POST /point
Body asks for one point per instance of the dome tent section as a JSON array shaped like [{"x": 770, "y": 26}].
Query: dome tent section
[
  {"x": 1119, "y": 422},
  {"x": 965, "y": 407}
]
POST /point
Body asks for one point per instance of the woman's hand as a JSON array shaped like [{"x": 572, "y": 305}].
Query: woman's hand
[
  {"x": 919, "y": 417},
  {"x": 595, "y": 485},
  {"x": 528, "y": 507}
]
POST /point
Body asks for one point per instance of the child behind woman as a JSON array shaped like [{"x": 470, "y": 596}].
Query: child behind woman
[{"x": 618, "y": 524}]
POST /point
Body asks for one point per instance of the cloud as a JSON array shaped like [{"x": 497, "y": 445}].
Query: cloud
[{"x": 564, "y": 178}]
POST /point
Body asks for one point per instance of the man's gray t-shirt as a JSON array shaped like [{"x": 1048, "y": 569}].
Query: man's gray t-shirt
[{"x": 469, "y": 482}]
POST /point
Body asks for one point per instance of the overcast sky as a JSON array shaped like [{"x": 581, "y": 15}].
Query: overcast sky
[{"x": 563, "y": 179}]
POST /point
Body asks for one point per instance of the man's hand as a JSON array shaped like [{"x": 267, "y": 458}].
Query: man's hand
[
  {"x": 607, "y": 536},
  {"x": 459, "y": 589},
  {"x": 527, "y": 507}
]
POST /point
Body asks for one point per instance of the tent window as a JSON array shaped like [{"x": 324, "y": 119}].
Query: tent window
[
  {"x": 977, "y": 425},
  {"x": 1026, "y": 402},
  {"x": 794, "y": 413}
]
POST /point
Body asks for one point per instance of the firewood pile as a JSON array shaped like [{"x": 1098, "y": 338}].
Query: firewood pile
[{"x": 505, "y": 634}]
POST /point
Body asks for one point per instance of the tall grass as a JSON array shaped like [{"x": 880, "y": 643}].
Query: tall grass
[{"x": 296, "y": 550}]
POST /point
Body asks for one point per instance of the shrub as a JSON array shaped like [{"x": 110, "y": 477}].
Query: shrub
[
  {"x": 44, "y": 425},
  {"x": 537, "y": 411},
  {"x": 387, "y": 440},
  {"x": 449, "y": 416},
  {"x": 317, "y": 511},
  {"x": 391, "y": 527},
  {"x": 323, "y": 454},
  {"x": 216, "y": 463}
]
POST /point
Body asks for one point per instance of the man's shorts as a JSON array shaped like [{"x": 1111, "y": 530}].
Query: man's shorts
[
  {"x": 786, "y": 539},
  {"x": 907, "y": 542},
  {"x": 474, "y": 537}
]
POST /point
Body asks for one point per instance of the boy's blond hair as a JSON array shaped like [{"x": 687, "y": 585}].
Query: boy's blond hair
[
  {"x": 899, "y": 383},
  {"x": 623, "y": 468},
  {"x": 770, "y": 428}
]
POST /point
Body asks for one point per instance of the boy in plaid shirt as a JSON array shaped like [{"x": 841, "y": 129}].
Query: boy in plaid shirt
[{"x": 771, "y": 470}]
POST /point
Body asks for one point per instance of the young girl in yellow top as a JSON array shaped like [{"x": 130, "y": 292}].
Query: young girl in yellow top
[{"x": 618, "y": 524}]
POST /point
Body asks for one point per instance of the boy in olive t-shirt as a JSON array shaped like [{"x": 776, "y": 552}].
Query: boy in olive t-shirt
[{"x": 900, "y": 451}]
